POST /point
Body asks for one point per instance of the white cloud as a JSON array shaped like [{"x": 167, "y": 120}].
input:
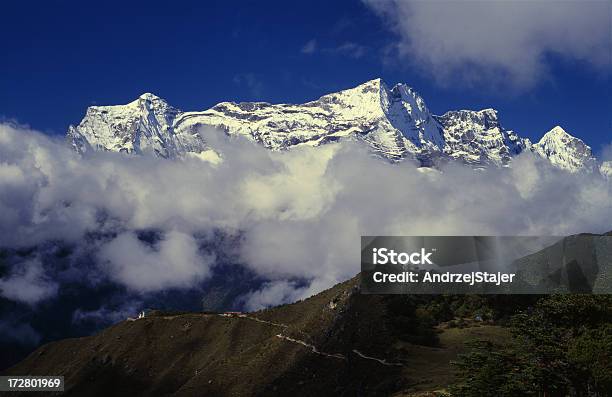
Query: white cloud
[
  {"x": 174, "y": 262},
  {"x": 298, "y": 214},
  {"x": 350, "y": 49},
  {"x": 505, "y": 43},
  {"x": 273, "y": 293},
  {"x": 310, "y": 47},
  {"x": 249, "y": 80},
  {"x": 27, "y": 283}
]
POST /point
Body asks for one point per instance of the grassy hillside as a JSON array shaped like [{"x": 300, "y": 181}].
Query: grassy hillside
[{"x": 338, "y": 342}]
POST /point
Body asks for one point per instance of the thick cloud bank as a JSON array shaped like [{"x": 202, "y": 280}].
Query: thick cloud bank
[
  {"x": 296, "y": 217},
  {"x": 496, "y": 41}
]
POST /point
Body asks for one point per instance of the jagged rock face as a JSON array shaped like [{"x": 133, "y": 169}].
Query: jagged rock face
[
  {"x": 144, "y": 125},
  {"x": 566, "y": 151},
  {"x": 477, "y": 137},
  {"x": 394, "y": 122}
]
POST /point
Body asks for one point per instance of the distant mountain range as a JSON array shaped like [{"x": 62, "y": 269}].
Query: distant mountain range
[{"x": 394, "y": 122}]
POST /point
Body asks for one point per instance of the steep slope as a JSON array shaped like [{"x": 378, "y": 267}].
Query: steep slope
[
  {"x": 144, "y": 125},
  {"x": 338, "y": 342},
  {"x": 394, "y": 122},
  {"x": 565, "y": 151},
  {"x": 477, "y": 137},
  {"x": 303, "y": 348}
]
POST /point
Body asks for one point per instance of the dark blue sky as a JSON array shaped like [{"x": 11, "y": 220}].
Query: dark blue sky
[{"x": 59, "y": 57}]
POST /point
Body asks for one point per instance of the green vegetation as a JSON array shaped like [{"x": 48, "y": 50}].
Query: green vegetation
[
  {"x": 414, "y": 318},
  {"x": 560, "y": 347}
]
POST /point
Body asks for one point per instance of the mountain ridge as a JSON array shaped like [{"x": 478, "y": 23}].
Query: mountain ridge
[
  {"x": 394, "y": 123},
  {"x": 337, "y": 342}
]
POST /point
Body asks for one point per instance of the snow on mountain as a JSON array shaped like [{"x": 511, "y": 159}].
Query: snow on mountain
[
  {"x": 477, "y": 137},
  {"x": 144, "y": 125},
  {"x": 566, "y": 151},
  {"x": 394, "y": 122}
]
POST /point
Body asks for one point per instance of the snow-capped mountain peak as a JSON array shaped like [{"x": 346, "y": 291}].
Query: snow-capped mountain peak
[
  {"x": 394, "y": 122},
  {"x": 566, "y": 151},
  {"x": 143, "y": 125},
  {"x": 149, "y": 96}
]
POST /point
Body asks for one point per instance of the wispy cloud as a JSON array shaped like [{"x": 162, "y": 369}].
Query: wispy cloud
[
  {"x": 342, "y": 25},
  {"x": 273, "y": 293},
  {"x": 606, "y": 152},
  {"x": 105, "y": 315},
  {"x": 251, "y": 82},
  {"x": 502, "y": 43},
  {"x": 350, "y": 49},
  {"x": 27, "y": 283},
  {"x": 310, "y": 47}
]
